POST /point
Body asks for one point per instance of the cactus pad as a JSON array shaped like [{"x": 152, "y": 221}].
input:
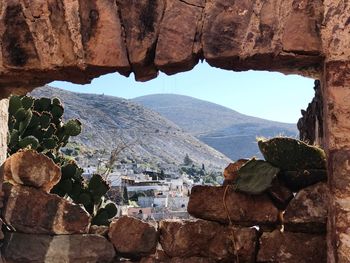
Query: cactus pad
[
  {"x": 291, "y": 154},
  {"x": 255, "y": 177}
]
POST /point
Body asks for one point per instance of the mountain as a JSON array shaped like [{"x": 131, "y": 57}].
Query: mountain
[
  {"x": 226, "y": 130},
  {"x": 111, "y": 122}
]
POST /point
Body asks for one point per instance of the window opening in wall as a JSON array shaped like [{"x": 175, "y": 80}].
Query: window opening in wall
[{"x": 153, "y": 141}]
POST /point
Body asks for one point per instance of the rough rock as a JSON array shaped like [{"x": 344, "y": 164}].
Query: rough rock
[
  {"x": 141, "y": 22},
  {"x": 179, "y": 260},
  {"x": 78, "y": 40},
  {"x": 279, "y": 194},
  {"x": 99, "y": 230},
  {"x": 243, "y": 209},
  {"x": 307, "y": 212},
  {"x": 230, "y": 172},
  {"x": 200, "y": 238},
  {"x": 132, "y": 237},
  {"x": 310, "y": 125},
  {"x": 26, "y": 248},
  {"x": 290, "y": 247},
  {"x": 30, "y": 168},
  {"x": 175, "y": 46},
  {"x": 32, "y": 211},
  {"x": 101, "y": 32}
]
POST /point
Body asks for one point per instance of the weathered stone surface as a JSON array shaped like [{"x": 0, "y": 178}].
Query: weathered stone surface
[
  {"x": 101, "y": 33},
  {"x": 141, "y": 22},
  {"x": 3, "y": 130},
  {"x": 175, "y": 47},
  {"x": 230, "y": 172},
  {"x": 78, "y": 40},
  {"x": 25, "y": 248},
  {"x": 132, "y": 237},
  {"x": 280, "y": 194},
  {"x": 307, "y": 212},
  {"x": 242, "y": 35},
  {"x": 31, "y": 169},
  {"x": 206, "y": 202},
  {"x": 99, "y": 230},
  {"x": 200, "y": 238},
  {"x": 289, "y": 247},
  {"x": 310, "y": 125},
  {"x": 32, "y": 211},
  {"x": 177, "y": 260}
]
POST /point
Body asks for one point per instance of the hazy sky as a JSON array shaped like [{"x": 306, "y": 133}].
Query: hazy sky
[{"x": 272, "y": 96}]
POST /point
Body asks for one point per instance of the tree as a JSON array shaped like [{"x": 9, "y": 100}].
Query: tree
[{"x": 187, "y": 160}]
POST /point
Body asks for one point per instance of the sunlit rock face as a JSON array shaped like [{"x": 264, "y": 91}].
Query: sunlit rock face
[{"x": 78, "y": 40}]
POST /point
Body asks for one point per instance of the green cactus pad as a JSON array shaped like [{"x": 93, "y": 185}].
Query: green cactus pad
[
  {"x": 14, "y": 104},
  {"x": 27, "y": 102},
  {"x": 49, "y": 143},
  {"x": 56, "y": 101},
  {"x": 72, "y": 127},
  {"x": 69, "y": 170},
  {"x": 97, "y": 186},
  {"x": 111, "y": 209},
  {"x": 45, "y": 119},
  {"x": 291, "y": 154},
  {"x": 29, "y": 141},
  {"x": 66, "y": 185},
  {"x": 14, "y": 138},
  {"x": 23, "y": 125},
  {"x": 51, "y": 130},
  {"x": 42, "y": 104},
  {"x": 20, "y": 114},
  {"x": 255, "y": 177},
  {"x": 101, "y": 218},
  {"x": 85, "y": 199},
  {"x": 57, "y": 111},
  {"x": 35, "y": 121}
]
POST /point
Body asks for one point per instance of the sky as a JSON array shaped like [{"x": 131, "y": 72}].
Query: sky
[{"x": 268, "y": 95}]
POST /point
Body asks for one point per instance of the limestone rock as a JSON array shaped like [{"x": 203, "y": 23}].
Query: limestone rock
[
  {"x": 206, "y": 202},
  {"x": 99, "y": 230},
  {"x": 175, "y": 44},
  {"x": 141, "y": 22},
  {"x": 307, "y": 212},
  {"x": 26, "y": 248},
  {"x": 289, "y": 247},
  {"x": 31, "y": 169},
  {"x": 230, "y": 172},
  {"x": 32, "y": 211},
  {"x": 132, "y": 237},
  {"x": 200, "y": 238},
  {"x": 102, "y": 35}
]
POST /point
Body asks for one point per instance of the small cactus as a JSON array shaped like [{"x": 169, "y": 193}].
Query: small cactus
[
  {"x": 37, "y": 124},
  {"x": 291, "y": 154},
  {"x": 255, "y": 176}
]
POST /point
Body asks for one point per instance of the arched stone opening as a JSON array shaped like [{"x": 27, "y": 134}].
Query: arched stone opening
[{"x": 78, "y": 40}]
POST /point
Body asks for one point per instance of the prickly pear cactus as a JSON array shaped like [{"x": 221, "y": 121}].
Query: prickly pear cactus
[
  {"x": 291, "y": 154},
  {"x": 255, "y": 177},
  {"x": 37, "y": 124}
]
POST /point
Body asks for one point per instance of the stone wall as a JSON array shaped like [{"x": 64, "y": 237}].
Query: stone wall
[
  {"x": 78, "y": 40},
  {"x": 286, "y": 223}
]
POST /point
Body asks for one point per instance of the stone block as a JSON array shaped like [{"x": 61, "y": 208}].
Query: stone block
[
  {"x": 32, "y": 211},
  {"x": 27, "y": 248},
  {"x": 132, "y": 237},
  {"x": 287, "y": 247},
  {"x": 206, "y": 202},
  {"x": 206, "y": 239},
  {"x": 31, "y": 168},
  {"x": 307, "y": 212}
]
